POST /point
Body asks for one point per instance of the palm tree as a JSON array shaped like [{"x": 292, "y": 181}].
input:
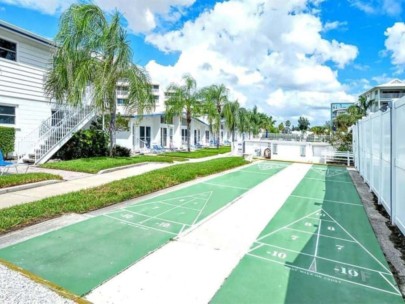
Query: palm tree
[
  {"x": 364, "y": 105},
  {"x": 215, "y": 97},
  {"x": 244, "y": 121},
  {"x": 184, "y": 99},
  {"x": 231, "y": 111},
  {"x": 93, "y": 51}
]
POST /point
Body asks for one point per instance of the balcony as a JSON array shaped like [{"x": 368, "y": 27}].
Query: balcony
[{"x": 390, "y": 96}]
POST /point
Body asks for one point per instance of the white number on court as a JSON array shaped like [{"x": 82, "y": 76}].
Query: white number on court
[
  {"x": 280, "y": 255},
  {"x": 308, "y": 224},
  {"x": 294, "y": 237},
  {"x": 320, "y": 214},
  {"x": 339, "y": 247},
  {"x": 127, "y": 216},
  {"x": 347, "y": 271},
  {"x": 331, "y": 228},
  {"x": 164, "y": 225}
]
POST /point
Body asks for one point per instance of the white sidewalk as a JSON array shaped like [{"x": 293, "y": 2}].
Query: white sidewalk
[{"x": 192, "y": 268}]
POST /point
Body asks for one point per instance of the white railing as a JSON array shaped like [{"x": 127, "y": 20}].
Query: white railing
[
  {"x": 345, "y": 157},
  {"x": 379, "y": 149},
  {"x": 53, "y": 131}
]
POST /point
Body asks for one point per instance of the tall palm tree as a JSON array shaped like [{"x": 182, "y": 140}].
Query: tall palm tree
[
  {"x": 244, "y": 121},
  {"x": 215, "y": 97},
  {"x": 184, "y": 99},
  {"x": 93, "y": 51},
  {"x": 231, "y": 111}
]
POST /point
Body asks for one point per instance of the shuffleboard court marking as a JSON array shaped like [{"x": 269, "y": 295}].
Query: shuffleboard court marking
[
  {"x": 205, "y": 205},
  {"x": 325, "y": 200},
  {"x": 314, "y": 218},
  {"x": 328, "y": 172},
  {"x": 323, "y": 235},
  {"x": 157, "y": 218},
  {"x": 151, "y": 203},
  {"x": 225, "y": 186},
  {"x": 281, "y": 252},
  {"x": 138, "y": 225},
  {"x": 393, "y": 286},
  {"x": 361, "y": 245},
  {"x": 322, "y": 211},
  {"x": 328, "y": 180},
  {"x": 254, "y": 172},
  {"x": 263, "y": 166},
  {"x": 281, "y": 228},
  {"x": 324, "y": 274},
  {"x": 313, "y": 264},
  {"x": 319, "y": 257}
]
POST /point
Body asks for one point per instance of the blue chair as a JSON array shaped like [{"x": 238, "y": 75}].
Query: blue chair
[{"x": 5, "y": 165}]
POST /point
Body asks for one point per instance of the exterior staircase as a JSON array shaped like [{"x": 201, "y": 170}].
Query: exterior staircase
[{"x": 43, "y": 142}]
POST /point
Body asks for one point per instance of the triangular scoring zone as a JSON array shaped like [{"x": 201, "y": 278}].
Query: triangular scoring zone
[
  {"x": 323, "y": 215},
  {"x": 327, "y": 172}
]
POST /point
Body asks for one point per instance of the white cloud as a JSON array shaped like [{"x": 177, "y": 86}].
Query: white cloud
[
  {"x": 141, "y": 15},
  {"x": 258, "y": 49},
  {"x": 389, "y": 7},
  {"x": 395, "y": 43},
  {"x": 329, "y": 26}
]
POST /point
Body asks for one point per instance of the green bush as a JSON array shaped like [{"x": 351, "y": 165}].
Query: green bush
[
  {"x": 84, "y": 144},
  {"x": 7, "y": 140},
  {"x": 120, "y": 151}
]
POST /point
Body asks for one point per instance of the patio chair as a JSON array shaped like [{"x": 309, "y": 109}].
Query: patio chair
[
  {"x": 5, "y": 165},
  {"x": 158, "y": 149}
]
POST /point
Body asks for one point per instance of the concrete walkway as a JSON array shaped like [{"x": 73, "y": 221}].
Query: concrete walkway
[
  {"x": 192, "y": 268},
  {"x": 77, "y": 181}
]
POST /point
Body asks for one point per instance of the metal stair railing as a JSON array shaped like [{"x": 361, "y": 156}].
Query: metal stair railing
[{"x": 52, "y": 131}]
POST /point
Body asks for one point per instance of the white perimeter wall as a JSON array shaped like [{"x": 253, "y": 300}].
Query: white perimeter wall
[{"x": 289, "y": 151}]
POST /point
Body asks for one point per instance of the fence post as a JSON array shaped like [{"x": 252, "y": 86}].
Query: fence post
[{"x": 392, "y": 163}]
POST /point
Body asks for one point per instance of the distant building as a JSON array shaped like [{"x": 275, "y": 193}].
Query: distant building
[
  {"x": 337, "y": 108},
  {"x": 382, "y": 94}
]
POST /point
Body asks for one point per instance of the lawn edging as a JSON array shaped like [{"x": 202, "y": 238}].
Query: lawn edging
[
  {"x": 12, "y": 180},
  {"x": 83, "y": 201},
  {"x": 29, "y": 186}
]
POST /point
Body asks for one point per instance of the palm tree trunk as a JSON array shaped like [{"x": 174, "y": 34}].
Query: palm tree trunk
[
  {"x": 113, "y": 115},
  {"x": 188, "y": 132}
]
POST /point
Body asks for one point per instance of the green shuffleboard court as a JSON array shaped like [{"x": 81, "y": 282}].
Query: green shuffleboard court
[
  {"x": 82, "y": 256},
  {"x": 319, "y": 248}
]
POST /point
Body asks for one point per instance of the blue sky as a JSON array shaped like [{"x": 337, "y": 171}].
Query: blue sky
[{"x": 288, "y": 57}]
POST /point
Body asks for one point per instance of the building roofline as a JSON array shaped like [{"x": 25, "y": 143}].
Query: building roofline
[
  {"x": 393, "y": 84},
  {"x": 27, "y": 34},
  {"x": 161, "y": 114}
]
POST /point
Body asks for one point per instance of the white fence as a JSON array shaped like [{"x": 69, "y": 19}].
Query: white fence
[{"x": 379, "y": 150}]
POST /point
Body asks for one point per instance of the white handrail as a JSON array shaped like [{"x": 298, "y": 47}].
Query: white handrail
[{"x": 52, "y": 131}]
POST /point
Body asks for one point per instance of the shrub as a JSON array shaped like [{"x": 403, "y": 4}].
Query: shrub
[
  {"x": 7, "y": 140},
  {"x": 83, "y": 144},
  {"x": 120, "y": 151}
]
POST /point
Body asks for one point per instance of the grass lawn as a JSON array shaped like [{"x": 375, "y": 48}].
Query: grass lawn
[
  {"x": 27, "y": 178},
  {"x": 206, "y": 152},
  {"x": 96, "y": 164},
  {"x": 115, "y": 192}
]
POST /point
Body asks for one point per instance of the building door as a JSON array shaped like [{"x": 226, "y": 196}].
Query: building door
[
  {"x": 207, "y": 137},
  {"x": 144, "y": 136},
  {"x": 163, "y": 137},
  {"x": 171, "y": 138},
  {"x": 195, "y": 137}
]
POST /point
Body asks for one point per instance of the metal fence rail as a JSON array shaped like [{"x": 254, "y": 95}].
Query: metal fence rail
[{"x": 379, "y": 156}]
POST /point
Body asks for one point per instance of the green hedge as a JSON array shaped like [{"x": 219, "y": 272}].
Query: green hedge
[{"x": 7, "y": 140}]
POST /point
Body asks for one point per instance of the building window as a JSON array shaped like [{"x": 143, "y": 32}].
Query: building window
[
  {"x": 165, "y": 120},
  {"x": 275, "y": 149},
  {"x": 207, "y": 136},
  {"x": 8, "y": 50},
  {"x": 184, "y": 122},
  {"x": 303, "y": 151},
  {"x": 7, "y": 115},
  {"x": 122, "y": 90},
  {"x": 184, "y": 136},
  {"x": 122, "y": 101}
]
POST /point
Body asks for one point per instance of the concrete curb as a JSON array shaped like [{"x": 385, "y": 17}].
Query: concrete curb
[
  {"x": 122, "y": 168},
  {"x": 29, "y": 186},
  {"x": 382, "y": 232}
]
